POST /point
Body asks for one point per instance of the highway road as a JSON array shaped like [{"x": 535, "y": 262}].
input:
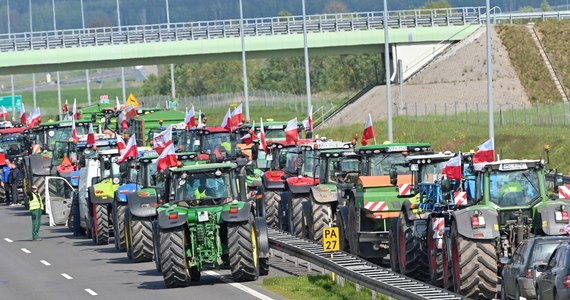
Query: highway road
[{"x": 63, "y": 267}]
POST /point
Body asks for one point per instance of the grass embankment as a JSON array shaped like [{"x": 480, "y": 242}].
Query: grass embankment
[
  {"x": 315, "y": 288},
  {"x": 528, "y": 64},
  {"x": 555, "y": 37}
]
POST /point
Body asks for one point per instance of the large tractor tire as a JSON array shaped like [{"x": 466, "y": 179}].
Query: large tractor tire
[
  {"x": 272, "y": 199},
  {"x": 393, "y": 242},
  {"x": 296, "y": 220},
  {"x": 473, "y": 266},
  {"x": 435, "y": 257},
  {"x": 321, "y": 218},
  {"x": 2, "y": 195},
  {"x": 174, "y": 263},
  {"x": 140, "y": 239},
  {"x": 156, "y": 245},
  {"x": 100, "y": 224},
  {"x": 446, "y": 258},
  {"x": 119, "y": 226},
  {"x": 353, "y": 227},
  {"x": 242, "y": 247},
  {"x": 413, "y": 257},
  {"x": 342, "y": 231}
]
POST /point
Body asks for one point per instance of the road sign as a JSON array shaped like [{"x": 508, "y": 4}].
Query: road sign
[
  {"x": 104, "y": 99},
  {"x": 132, "y": 100},
  {"x": 331, "y": 239},
  {"x": 6, "y": 101}
]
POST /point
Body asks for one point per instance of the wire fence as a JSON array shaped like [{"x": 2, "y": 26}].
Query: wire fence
[{"x": 556, "y": 114}]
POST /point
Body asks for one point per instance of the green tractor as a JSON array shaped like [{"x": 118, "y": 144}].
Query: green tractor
[
  {"x": 150, "y": 122},
  {"x": 375, "y": 205},
  {"x": 511, "y": 204},
  {"x": 138, "y": 202},
  {"x": 207, "y": 224}
]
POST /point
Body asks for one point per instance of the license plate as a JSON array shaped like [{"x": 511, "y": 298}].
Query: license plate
[{"x": 202, "y": 216}]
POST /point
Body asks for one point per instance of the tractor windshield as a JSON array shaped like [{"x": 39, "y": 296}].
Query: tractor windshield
[
  {"x": 128, "y": 172},
  {"x": 62, "y": 149},
  {"x": 431, "y": 172},
  {"x": 291, "y": 159},
  {"x": 219, "y": 144},
  {"x": 12, "y": 145},
  {"x": 203, "y": 186},
  {"x": 309, "y": 160},
  {"x": 187, "y": 141},
  {"x": 381, "y": 165},
  {"x": 514, "y": 188},
  {"x": 274, "y": 134},
  {"x": 61, "y": 134},
  {"x": 110, "y": 168},
  {"x": 342, "y": 169}
]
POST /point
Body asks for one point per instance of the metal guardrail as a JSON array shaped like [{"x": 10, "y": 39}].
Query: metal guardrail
[
  {"x": 354, "y": 98},
  {"x": 357, "y": 270}
]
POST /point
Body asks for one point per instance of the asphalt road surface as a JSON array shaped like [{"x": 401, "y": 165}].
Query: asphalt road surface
[{"x": 62, "y": 267}]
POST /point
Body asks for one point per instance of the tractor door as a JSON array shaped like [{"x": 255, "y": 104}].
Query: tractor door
[{"x": 58, "y": 200}]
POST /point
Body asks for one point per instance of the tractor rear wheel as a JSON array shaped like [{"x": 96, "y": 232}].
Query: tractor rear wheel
[
  {"x": 141, "y": 239},
  {"x": 413, "y": 261},
  {"x": 119, "y": 225},
  {"x": 272, "y": 199},
  {"x": 322, "y": 218},
  {"x": 242, "y": 246},
  {"x": 473, "y": 266},
  {"x": 296, "y": 220},
  {"x": 101, "y": 224},
  {"x": 393, "y": 242},
  {"x": 174, "y": 263},
  {"x": 156, "y": 245},
  {"x": 435, "y": 255}
]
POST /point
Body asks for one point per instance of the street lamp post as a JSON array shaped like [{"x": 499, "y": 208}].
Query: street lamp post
[
  {"x": 243, "y": 61},
  {"x": 33, "y": 74},
  {"x": 122, "y": 68},
  {"x": 87, "y": 80},
  {"x": 172, "y": 82},
  {"x": 57, "y": 73},
  {"x": 306, "y": 53},
  {"x": 387, "y": 66},
  {"x": 489, "y": 74}
]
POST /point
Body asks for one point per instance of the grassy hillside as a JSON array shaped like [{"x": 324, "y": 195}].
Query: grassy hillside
[{"x": 555, "y": 37}]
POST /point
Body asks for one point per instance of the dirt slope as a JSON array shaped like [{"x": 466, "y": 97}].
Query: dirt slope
[{"x": 456, "y": 78}]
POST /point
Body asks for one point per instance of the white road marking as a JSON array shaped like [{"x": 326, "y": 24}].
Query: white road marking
[
  {"x": 26, "y": 250},
  {"x": 91, "y": 292},
  {"x": 45, "y": 262},
  {"x": 66, "y": 276},
  {"x": 240, "y": 286},
  {"x": 8, "y": 240}
]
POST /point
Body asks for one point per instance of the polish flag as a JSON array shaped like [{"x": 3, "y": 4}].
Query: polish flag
[
  {"x": 74, "y": 109},
  {"x": 190, "y": 118},
  {"x": 452, "y": 168},
  {"x": 130, "y": 112},
  {"x": 130, "y": 150},
  {"x": 23, "y": 117},
  {"x": 91, "y": 136},
  {"x": 123, "y": 121},
  {"x": 237, "y": 116},
  {"x": 74, "y": 132},
  {"x": 368, "y": 133},
  {"x": 310, "y": 120},
  {"x": 262, "y": 138},
  {"x": 35, "y": 118},
  {"x": 227, "y": 122},
  {"x": 120, "y": 144},
  {"x": 118, "y": 106},
  {"x": 250, "y": 136},
  {"x": 4, "y": 113},
  {"x": 162, "y": 140},
  {"x": 486, "y": 152},
  {"x": 292, "y": 131},
  {"x": 65, "y": 107},
  {"x": 166, "y": 159}
]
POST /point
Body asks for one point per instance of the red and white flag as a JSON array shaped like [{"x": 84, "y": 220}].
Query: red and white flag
[
  {"x": 162, "y": 140},
  {"x": 91, "y": 136},
  {"x": 486, "y": 152},
  {"x": 23, "y": 117},
  {"x": 65, "y": 107},
  {"x": 368, "y": 133},
  {"x": 237, "y": 116},
  {"x": 4, "y": 113},
  {"x": 74, "y": 132},
  {"x": 120, "y": 144},
  {"x": 118, "y": 105},
  {"x": 130, "y": 112},
  {"x": 35, "y": 118},
  {"x": 166, "y": 159},
  {"x": 250, "y": 136},
  {"x": 227, "y": 122},
  {"x": 262, "y": 137},
  {"x": 452, "y": 168},
  {"x": 190, "y": 118},
  {"x": 123, "y": 121},
  {"x": 309, "y": 126},
  {"x": 292, "y": 131},
  {"x": 74, "y": 109},
  {"x": 130, "y": 151}
]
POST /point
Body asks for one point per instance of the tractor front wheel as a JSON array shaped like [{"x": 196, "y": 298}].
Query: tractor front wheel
[
  {"x": 413, "y": 260},
  {"x": 393, "y": 242},
  {"x": 141, "y": 246},
  {"x": 296, "y": 220},
  {"x": 119, "y": 225},
  {"x": 435, "y": 255},
  {"x": 174, "y": 263},
  {"x": 100, "y": 224},
  {"x": 272, "y": 199},
  {"x": 242, "y": 246},
  {"x": 321, "y": 214}
]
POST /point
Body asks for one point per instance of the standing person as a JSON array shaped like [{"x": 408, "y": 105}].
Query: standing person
[
  {"x": 5, "y": 183},
  {"x": 36, "y": 207},
  {"x": 15, "y": 180}
]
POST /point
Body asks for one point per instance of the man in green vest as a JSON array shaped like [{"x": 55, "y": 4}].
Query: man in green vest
[
  {"x": 200, "y": 192},
  {"x": 36, "y": 207}
]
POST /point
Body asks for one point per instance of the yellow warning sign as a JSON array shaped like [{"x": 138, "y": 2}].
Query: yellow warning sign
[
  {"x": 331, "y": 239},
  {"x": 132, "y": 101}
]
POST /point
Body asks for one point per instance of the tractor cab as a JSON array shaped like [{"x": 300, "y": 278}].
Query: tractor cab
[
  {"x": 210, "y": 143},
  {"x": 14, "y": 144}
]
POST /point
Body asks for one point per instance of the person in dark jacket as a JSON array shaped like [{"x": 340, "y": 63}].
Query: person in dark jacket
[{"x": 15, "y": 179}]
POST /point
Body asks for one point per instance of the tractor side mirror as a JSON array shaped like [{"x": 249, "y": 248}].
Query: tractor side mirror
[
  {"x": 393, "y": 176},
  {"x": 541, "y": 267},
  {"x": 94, "y": 180},
  {"x": 558, "y": 180},
  {"x": 254, "y": 151}
]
